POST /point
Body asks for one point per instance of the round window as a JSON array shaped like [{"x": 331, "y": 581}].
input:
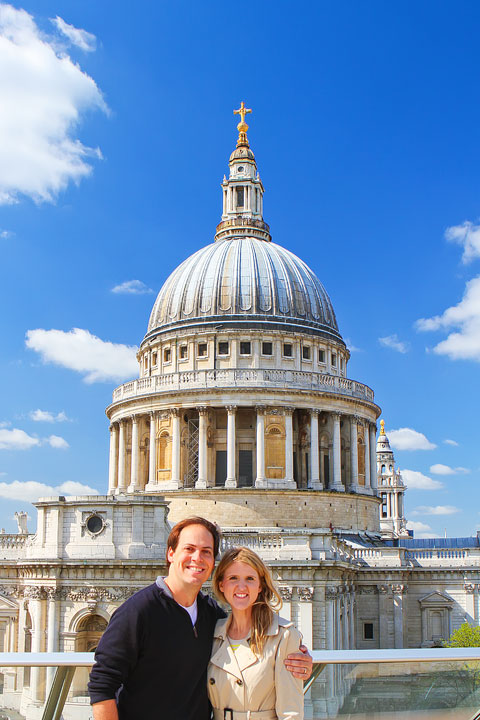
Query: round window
[
  {"x": 94, "y": 524},
  {"x": 241, "y": 169}
]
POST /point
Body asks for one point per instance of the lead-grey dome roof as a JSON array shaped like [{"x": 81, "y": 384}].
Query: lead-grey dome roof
[{"x": 244, "y": 281}]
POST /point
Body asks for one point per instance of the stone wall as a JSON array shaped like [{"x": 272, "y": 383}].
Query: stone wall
[{"x": 277, "y": 508}]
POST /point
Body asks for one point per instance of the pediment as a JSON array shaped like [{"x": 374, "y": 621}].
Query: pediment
[
  {"x": 436, "y": 598},
  {"x": 8, "y": 607}
]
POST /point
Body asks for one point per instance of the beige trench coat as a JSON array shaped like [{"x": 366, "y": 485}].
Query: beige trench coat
[{"x": 242, "y": 681}]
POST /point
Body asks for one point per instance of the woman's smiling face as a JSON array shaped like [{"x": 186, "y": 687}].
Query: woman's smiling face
[{"x": 240, "y": 585}]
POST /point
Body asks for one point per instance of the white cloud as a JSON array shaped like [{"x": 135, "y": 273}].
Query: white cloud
[
  {"x": 31, "y": 490},
  {"x": 468, "y": 236},
  {"x": 58, "y": 442},
  {"x": 70, "y": 487},
  {"x": 5, "y": 234},
  {"x": 409, "y": 439},
  {"x": 393, "y": 342},
  {"x": 43, "y": 94},
  {"x": 16, "y": 439},
  {"x": 421, "y": 530},
  {"x": 418, "y": 481},
  {"x": 447, "y": 441},
  {"x": 79, "y": 350},
  {"x": 465, "y": 317},
  {"x": 440, "y": 469},
  {"x": 81, "y": 38},
  {"x": 47, "y": 416},
  {"x": 435, "y": 510},
  {"x": 353, "y": 348},
  {"x": 132, "y": 287}
]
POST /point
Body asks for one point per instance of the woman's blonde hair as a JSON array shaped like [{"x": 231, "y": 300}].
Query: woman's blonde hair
[{"x": 268, "y": 598}]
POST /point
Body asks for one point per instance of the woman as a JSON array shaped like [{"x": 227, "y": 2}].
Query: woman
[{"x": 247, "y": 678}]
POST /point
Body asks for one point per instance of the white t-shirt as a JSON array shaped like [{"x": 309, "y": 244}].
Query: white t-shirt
[{"x": 192, "y": 611}]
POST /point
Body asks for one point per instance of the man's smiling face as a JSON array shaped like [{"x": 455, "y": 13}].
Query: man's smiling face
[{"x": 192, "y": 561}]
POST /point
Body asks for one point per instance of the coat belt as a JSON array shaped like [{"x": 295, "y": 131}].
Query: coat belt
[{"x": 228, "y": 714}]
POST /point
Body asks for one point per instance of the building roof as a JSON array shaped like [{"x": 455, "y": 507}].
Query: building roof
[{"x": 244, "y": 279}]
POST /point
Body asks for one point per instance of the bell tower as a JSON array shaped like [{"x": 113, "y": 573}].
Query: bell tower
[{"x": 391, "y": 490}]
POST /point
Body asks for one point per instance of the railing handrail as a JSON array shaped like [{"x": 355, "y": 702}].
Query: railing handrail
[
  {"x": 401, "y": 655},
  {"x": 336, "y": 657},
  {"x": 47, "y": 659}
]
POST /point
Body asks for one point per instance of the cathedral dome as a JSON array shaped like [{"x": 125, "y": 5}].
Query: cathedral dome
[{"x": 244, "y": 280}]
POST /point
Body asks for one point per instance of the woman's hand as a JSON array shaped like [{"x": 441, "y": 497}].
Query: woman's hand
[{"x": 300, "y": 663}]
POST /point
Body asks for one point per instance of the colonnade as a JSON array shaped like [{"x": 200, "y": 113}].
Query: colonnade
[
  {"x": 338, "y": 479},
  {"x": 340, "y": 617}
]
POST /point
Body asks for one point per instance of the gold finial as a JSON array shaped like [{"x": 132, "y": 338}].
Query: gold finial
[
  {"x": 242, "y": 126},
  {"x": 382, "y": 427}
]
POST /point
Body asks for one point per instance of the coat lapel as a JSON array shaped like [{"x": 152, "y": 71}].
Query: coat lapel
[{"x": 228, "y": 660}]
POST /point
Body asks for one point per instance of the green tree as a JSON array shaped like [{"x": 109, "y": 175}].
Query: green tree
[{"x": 465, "y": 636}]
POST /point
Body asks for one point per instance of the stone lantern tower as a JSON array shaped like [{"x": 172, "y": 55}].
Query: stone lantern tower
[{"x": 391, "y": 490}]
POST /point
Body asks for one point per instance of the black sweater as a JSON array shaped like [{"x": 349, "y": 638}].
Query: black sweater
[{"x": 152, "y": 660}]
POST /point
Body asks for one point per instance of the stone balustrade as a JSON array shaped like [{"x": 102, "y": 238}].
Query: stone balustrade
[
  {"x": 444, "y": 557},
  {"x": 234, "y": 378},
  {"x": 11, "y": 543},
  {"x": 436, "y": 557},
  {"x": 380, "y": 557},
  {"x": 289, "y": 544}
]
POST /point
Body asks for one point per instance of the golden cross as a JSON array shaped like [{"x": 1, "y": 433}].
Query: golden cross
[{"x": 242, "y": 111}]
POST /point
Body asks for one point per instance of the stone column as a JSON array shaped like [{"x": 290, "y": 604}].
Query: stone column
[
  {"x": 470, "y": 603},
  {"x": 338, "y": 624},
  {"x": 52, "y": 631},
  {"x": 175, "y": 478},
  {"x": 368, "y": 461},
  {"x": 373, "y": 464},
  {"x": 346, "y": 622},
  {"x": 305, "y": 616},
  {"x": 397, "y": 591},
  {"x": 330, "y": 598},
  {"x": 289, "y": 445},
  {"x": 353, "y": 641},
  {"x": 286, "y": 594},
  {"x": 133, "y": 487},
  {"x": 122, "y": 484},
  {"x": 353, "y": 454},
  {"x": 113, "y": 460},
  {"x": 315, "y": 482},
  {"x": 152, "y": 452},
  {"x": 202, "y": 448},
  {"x": 35, "y": 610},
  {"x": 260, "y": 479},
  {"x": 231, "y": 481},
  {"x": 383, "y": 616},
  {"x": 337, "y": 455}
]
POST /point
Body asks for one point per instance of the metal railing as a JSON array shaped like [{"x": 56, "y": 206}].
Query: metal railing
[{"x": 66, "y": 664}]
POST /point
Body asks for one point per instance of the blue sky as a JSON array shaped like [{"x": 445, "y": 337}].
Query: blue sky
[{"x": 116, "y": 125}]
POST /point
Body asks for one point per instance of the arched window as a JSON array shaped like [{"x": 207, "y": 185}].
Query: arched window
[{"x": 89, "y": 632}]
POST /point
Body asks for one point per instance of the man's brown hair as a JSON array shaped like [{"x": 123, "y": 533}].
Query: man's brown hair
[{"x": 212, "y": 528}]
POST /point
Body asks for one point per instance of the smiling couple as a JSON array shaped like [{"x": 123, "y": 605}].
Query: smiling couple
[{"x": 153, "y": 658}]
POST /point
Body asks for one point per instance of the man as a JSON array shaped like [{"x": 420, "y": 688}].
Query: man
[{"x": 152, "y": 659}]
